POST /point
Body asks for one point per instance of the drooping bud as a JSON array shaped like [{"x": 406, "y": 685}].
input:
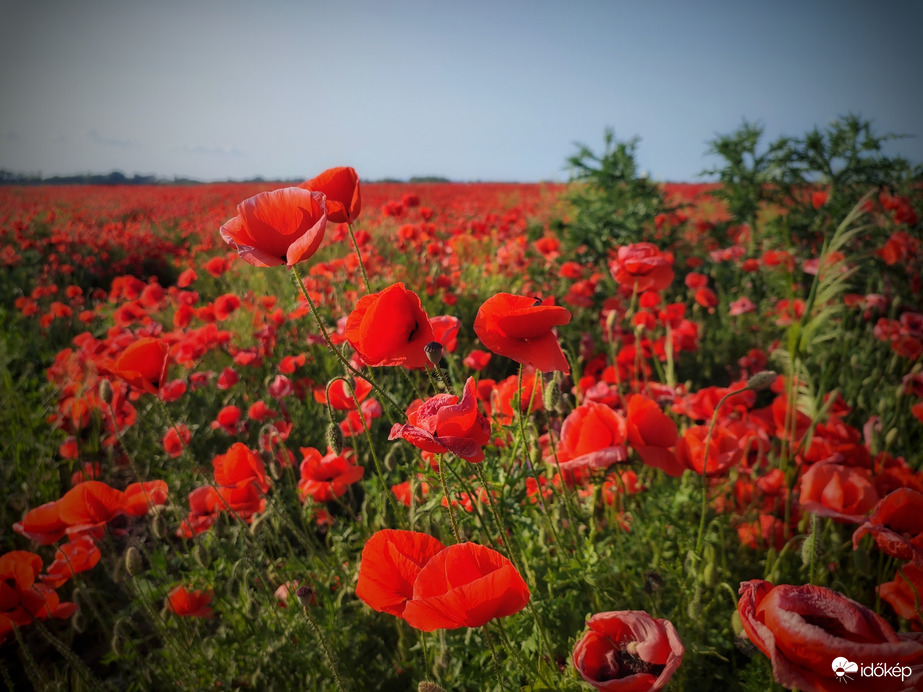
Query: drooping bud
[
  {"x": 551, "y": 395},
  {"x": 305, "y": 595},
  {"x": 335, "y": 437},
  {"x": 762, "y": 380},
  {"x": 433, "y": 351},
  {"x": 134, "y": 564}
]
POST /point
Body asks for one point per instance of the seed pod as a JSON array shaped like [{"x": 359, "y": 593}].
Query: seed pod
[{"x": 433, "y": 351}]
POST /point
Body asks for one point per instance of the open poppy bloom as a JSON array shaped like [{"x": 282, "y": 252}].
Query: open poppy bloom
[
  {"x": 284, "y": 226},
  {"x": 896, "y": 523},
  {"x": 804, "y": 629},
  {"x": 519, "y": 328},
  {"x": 843, "y": 493},
  {"x": 144, "y": 364},
  {"x": 239, "y": 467},
  {"x": 325, "y": 478},
  {"x": 642, "y": 267},
  {"x": 593, "y": 436},
  {"x": 390, "y": 328},
  {"x": 192, "y": 604},
  {"x": 22, "y": 599},
  {"x": 628, "y": 650},
  {"x": 78, "y": 555},
  {"x": 391, "y": 561},
  {"x": 652, "y": 433},
  {"x": 465, "y": 585},
  {"x": 444, "y": 423},
  {"x": 341, "y": 187}
]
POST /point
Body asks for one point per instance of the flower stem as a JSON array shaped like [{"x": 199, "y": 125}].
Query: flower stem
[{"x": 365, "y": 277}]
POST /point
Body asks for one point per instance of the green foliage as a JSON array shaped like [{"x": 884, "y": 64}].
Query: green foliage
[{"x": 612, "y": 203}]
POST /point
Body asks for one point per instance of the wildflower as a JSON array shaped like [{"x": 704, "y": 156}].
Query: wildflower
[
  {"x": 390, "y": 328},
  {"x": 341, "y": 187},
  {"x": 520, "y": 328}
]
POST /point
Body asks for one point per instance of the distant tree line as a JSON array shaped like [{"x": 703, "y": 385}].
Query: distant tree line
[{"x": 8, "y": 177}]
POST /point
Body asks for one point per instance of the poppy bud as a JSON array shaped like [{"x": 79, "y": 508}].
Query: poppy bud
[
  {"x": 551, "y": 395},
  {"x": 120, "y": 636},
  {"x": 762, "y": 380},
  {"x": 809, "y": 549},
  {"x": 433, "y": 351},
  {"x": 427, "y": 686},
  {"x": 134, "y": 564},
  {"x": 105, "y": 391},
  {"x": 335, "y": 438},
  {"x": 201, "y": 556}
]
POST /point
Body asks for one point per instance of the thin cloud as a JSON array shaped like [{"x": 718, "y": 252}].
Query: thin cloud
[{"x": 95, "y": 136}]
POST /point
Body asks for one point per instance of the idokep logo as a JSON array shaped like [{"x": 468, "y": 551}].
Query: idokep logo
[{"x": 842, "y": 667}]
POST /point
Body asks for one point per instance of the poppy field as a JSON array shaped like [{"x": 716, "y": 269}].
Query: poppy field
[{"x": 336, "y": 435}]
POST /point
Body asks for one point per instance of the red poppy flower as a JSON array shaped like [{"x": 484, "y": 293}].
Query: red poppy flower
[
  {"x": 445, "y": 331},
  {"x": 390, "y": 328},
  {"x": 42, "y": 524},
  {"x": 628, "y": 650},
  {"x": 327, "y": 477},
  {"x": 391, "y": 561},
  {"x": 477, "y": 360},
  {"x": 78, "y": 555},
  {"x": 139, "y": 498},
  {"x": 465, "y": 585},
  {"x": 519, "y": 328},
  {"x": 238, "y": 467},
  {"x": 842, "y": 493},
  {"x": 192, "y": 604},
  {"x": 341, "y": 187},
  {"x": 593, "y": 436},
  {"x": 22, "y": 600},
  {"x": 642, "y": 267},
  {"x": 723, "y": 451},
  {"x": 651, "y": 433},
  {"x": 341, "y": 396},
  {"x": 803, "y": 629},
  {"x": 90, "y": 503},
  {"x": 902, "y": 593},
  {"x": 896, "y": 523},
  {"x": 504, "y": 395},
  {"x": 445, "y": 423},
  {"x": 283, "y": 226},
  {"x": 144, "y": 364},
  {"x": 174, "y": 442}
]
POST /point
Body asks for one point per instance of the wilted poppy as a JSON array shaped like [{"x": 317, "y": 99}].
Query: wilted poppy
[
  {"x": 465, "y": 585},
  {"x": 144, "y": 364},
  {"x": 341, "y": 187},
  {"x": 445, "y": 423},
  {"x": 803, "y": 629},
  {"x": 391, "y": 561},
  {"x": 390, "y": 328},
  {"x": 193, "y": 604},
  {"x": 284, "y": 226},
  {"x": 628, "y": 650},
  {"x": 519, "y": 328}
]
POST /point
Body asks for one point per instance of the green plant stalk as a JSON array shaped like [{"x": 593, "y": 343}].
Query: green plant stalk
[
  {"x": 335, "y": 350},
  {"x": 448, "y": 500},
  {"x": 325, "y": 650},
  {"x": 365, "y": 277}
]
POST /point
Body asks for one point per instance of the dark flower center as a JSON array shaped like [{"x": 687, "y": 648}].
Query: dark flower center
[{"x": 621, "y": 664}]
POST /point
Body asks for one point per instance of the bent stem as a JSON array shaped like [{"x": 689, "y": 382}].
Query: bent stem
[{"x": 336, "y": 351}]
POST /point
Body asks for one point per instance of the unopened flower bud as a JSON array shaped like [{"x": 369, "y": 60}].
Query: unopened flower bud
[
  {"x": 552, "y": 395},
  {"x": 427, "y": 686},
  {"x": 762, "y": 380},
  {"x": 134, "y": 564},
  {"x": 105, "y": 391},
  {"x": 335, "y": 437},
  {"x": 433, "y": 351}
]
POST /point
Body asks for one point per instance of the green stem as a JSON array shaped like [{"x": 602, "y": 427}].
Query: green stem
[
  {"x": 448, "y": 500},
  {"x": 365, "y": 277}
]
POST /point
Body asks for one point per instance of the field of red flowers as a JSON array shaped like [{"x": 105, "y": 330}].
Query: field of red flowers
[{"x": 379, "y": 436}]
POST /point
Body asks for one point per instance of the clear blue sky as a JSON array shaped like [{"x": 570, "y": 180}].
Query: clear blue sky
[{"x": 469, "y": 89}]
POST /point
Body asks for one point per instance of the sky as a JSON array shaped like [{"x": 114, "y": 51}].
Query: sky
[{"x": 469, "y": 90}]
